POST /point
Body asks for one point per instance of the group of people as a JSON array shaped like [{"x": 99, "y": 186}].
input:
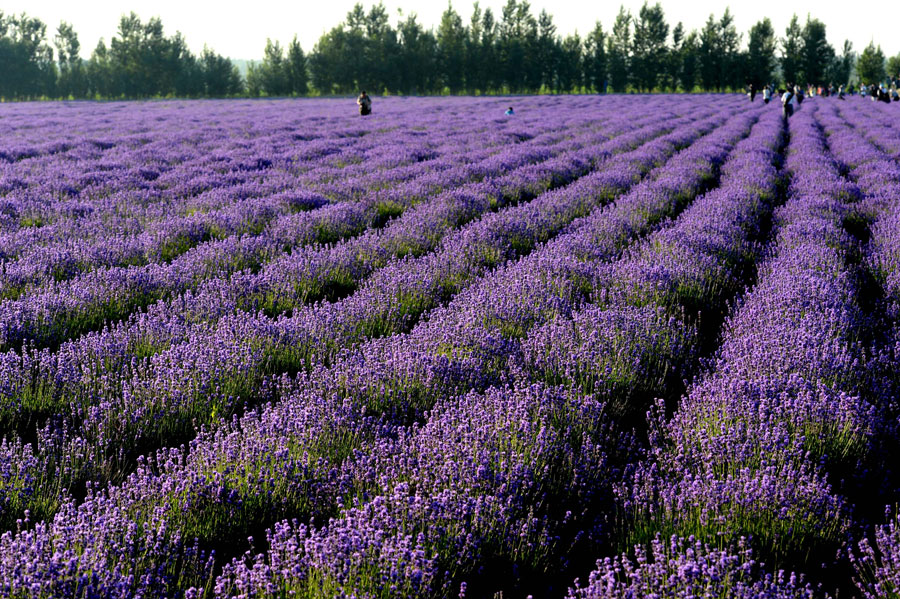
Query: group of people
[
  {"x": 793, "y": 95},
  {"x": 880, "y": 92}
]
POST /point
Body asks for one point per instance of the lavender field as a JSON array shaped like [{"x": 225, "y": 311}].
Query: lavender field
[{"x": 623, "y": 346}]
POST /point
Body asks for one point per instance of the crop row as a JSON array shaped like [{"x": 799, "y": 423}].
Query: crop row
[
  {"x": 221, "y": 360},
  {"x": 168, "y": 223},
  {"x": 649, "y": 201},
  {"x": 778, "y": 445},
  {"x": 50, "y": 314},
  {"x": 515, "y": 481}
]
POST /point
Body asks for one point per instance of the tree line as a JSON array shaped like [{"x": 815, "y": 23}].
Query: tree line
[{"x": 515, "y": 51}]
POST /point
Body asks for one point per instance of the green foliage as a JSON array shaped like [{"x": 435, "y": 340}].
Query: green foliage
[
  {"x": 619, "y": 51},
  {"x": 273, "y": 75},
  {"x": 649, "y": 47},
  {"x": 761, "y": 54},
  {"x": 513, "y": 52},
  {"x": 720, "y": 62},
  {"x": 870, "y": 66},
  {"x": 451, "y": 40},
  {"x": 72, "y": 80},
  {"x": 28, "y": 70},
  {"x": 220, "y": 76},
  {"x": 842, "y": 66},
  {"x": 790, "y": 51},
  {"x": 893, "y": 66},
  {"x": 595, "y": 59},
  {"x": 816, "y": 54}
]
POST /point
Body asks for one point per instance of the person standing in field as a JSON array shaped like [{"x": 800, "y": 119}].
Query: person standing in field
[
  {"x": 767, "y": 94},
  {"x": 751, "y": 92},
  {"x": 365, "y": 103},
  {"x": 787, "y": 102}
]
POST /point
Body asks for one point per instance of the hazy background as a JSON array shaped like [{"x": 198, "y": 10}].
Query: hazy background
[{"x": 239, "y": 29}]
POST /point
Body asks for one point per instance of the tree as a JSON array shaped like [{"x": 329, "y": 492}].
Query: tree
[
  {"x": 99, "y": 71},
  {"x": 517, "y": 34},
  {"x": 418, "y": 50},
  {"x": 298, "y": 78},
  {"x": 27, "y": 59},
  {"x": 619, "y": 49},
  {"x": 760, "y": 62},
  {"x": 842, "y": 66},
  {"x": 730, "y": 75},
  {"x": 272, "y": 75},
  {"x": 674, "y": 58},
  {"x": 328, "y": 68},
  {"x": 893, "y": 66},
  {"x": 381, "y": 50},
  {"x": 220, "y": 76},
  {"x": 595, "y": 59},
  {"x": 72, "y": 79},
  {"x": 473, "y": 55},
  {"x": 649, "y": 46},
  {"x": 489, "y": 51},
  {"x": 143, "y": 62},
  {"x": 569, "y": 74},
  {"x": 185, "y": 73},
  {"x": 690, "y": 61},
  {"x": 451, "y": 43},
  {"x": 546, "y": 53},
  {"x": 791, "y": 46},
  {"x": 816, "y": 54},
  {"x": 709, "y": 55},
  {"x": 870, "y": 66}
]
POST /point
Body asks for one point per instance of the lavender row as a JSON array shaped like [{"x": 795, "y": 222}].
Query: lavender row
[
  {"x": 112, "y": 349},
  {"x": 167, "y": 235},
  {"x": 312, "y": 273},
  {"x": 248, "y": 441},
  {"x": 515, "y": 476},
  {"x": 875, "y": 555},
  {"x": 750, "y": 450},
  {"x": 475, "y": 336},
  {"x": 340, "y": 434},
  {"x": 155, "y": 168},
  {"x": 172, "y": 234},
  {"x": 246, "y": 350},
  {"x": 270, "y": 204},
  {"x": 244, "y": 343},
  {"x": 299, "y": 141},
  {"x": 237, "y": 169},
  {"x": 234, "y": 348},
  {"x": 54, "y": 314}
]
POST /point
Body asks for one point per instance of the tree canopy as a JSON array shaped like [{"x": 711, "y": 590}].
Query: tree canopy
[{"x": 514, "y": 51}]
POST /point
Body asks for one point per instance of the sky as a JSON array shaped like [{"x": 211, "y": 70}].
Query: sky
[{"x": 238, "y": 29}]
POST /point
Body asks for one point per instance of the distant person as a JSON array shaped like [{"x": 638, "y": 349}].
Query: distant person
[
  {"x": 798, "y": 93},
  {"x": 787, "y": 102},
  {"x": 509, "y": 111},
  {"x": 767, "y": 95},
  {"x": 841, "y": 92},
  {"x": 365, "y": 103},
  {"x": 751, "y": 91}
]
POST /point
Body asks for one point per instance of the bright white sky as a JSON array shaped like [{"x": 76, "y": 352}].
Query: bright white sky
[{"x": 239, "y": 29}]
